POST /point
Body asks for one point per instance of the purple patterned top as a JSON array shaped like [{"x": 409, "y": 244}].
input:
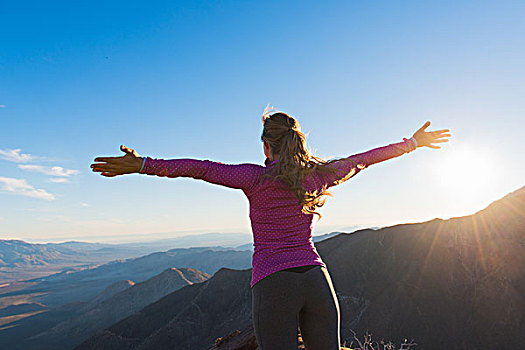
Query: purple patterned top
[{"x": 282, "y": 233}]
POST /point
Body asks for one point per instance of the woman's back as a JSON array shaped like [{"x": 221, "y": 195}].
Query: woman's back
[{"x": 282, "y": 232}]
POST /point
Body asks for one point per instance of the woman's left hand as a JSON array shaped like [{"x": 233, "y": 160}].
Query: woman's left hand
[
  {"x": 129, "y": 163},
  {"x": 424, "y": 138}
]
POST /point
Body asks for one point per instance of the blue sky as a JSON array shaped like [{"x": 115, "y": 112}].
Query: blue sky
[{"x": 190, "y": 79}]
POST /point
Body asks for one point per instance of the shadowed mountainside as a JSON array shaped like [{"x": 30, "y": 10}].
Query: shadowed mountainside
[
  {"x": 448, "y": 284},
  {"x": 118, "y": 306},
  {"x": 116, "y": 302},
  {"x": 189, "y": 315},
  {"x": 107, "y": 293}
]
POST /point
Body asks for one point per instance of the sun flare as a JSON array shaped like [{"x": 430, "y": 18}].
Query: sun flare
[{"x": 465, "y": 172}]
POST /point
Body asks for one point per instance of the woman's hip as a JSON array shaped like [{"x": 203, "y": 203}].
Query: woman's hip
[{"x": 286, "y": 285}]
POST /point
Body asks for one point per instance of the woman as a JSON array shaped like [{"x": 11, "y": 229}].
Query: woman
[{"x": 290, "y": 284}]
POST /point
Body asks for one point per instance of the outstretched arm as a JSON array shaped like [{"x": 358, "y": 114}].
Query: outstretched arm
[
  {"x": 345, "y": 168},
  {"x": 421, "y": 138},
  {"x": 241, "y": 176}
]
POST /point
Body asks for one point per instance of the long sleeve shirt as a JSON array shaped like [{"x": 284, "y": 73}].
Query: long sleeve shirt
[{"x": 282, "y": 233}]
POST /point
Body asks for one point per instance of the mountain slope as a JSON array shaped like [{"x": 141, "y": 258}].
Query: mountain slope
[
  {"x": 114, "y": 308},
  {"x": 119, "y": 306},
  {"x": 107, "y": 293},
  {"x": 194, "y": 315},
  {"x": 453, "y": 283}
]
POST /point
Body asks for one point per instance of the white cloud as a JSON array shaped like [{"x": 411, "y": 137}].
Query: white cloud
[
  {"x": 14, "y": 155},
  {"x": 52, "y": 171},
  {"x": 59, "y": 179},
  {"x": 84, "y": 204},
  {"x": 21, "y": 187}
]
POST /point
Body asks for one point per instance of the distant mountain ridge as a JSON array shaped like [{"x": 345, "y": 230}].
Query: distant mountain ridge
[
  {"x": 206, "y": 259},
  {"x": 448, "y": 284},
  {"x": 16, "y": 253},
  {"x": 20, "y": 260}
]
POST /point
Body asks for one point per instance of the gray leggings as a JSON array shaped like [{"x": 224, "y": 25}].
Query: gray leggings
[{"x": 285, "y": 300}]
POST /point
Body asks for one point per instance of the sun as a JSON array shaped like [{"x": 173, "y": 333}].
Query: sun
[{"x": 465, "y": 172}]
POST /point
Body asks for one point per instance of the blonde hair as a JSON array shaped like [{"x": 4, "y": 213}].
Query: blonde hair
[{"x": 283, "y": 134}]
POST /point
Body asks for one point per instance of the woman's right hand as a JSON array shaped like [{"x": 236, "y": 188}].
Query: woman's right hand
[
  {"x": 129, "y": 163},
  {"x": 424, "y": 138}
]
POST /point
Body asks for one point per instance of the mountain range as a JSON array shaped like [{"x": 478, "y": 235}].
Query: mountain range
[
  {"x": 20, "y": 260},
  {"x": 447, "y": 284},
  {"x": 88, "y": 282}
]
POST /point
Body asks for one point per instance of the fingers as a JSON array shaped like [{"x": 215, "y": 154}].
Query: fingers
[
  {"x": 106, "y": 165},
  {"x": 109, "y": 174},
  {"x": 108, "y": 168},
  {"x": 126, "y": 149},
  {"x": 123, "y": 148},
  {"x": 440, "y": 131},
  {"x": 421, "y": 129},
  {"x": 437, "y": 135},
  {"x": 432, "y": 146},
  {"x": 112, "y": 166},
  {"x": 106, "y": 171},
  {"x": 106, "y": 159},
  {"x": 105, "y": 168}
]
